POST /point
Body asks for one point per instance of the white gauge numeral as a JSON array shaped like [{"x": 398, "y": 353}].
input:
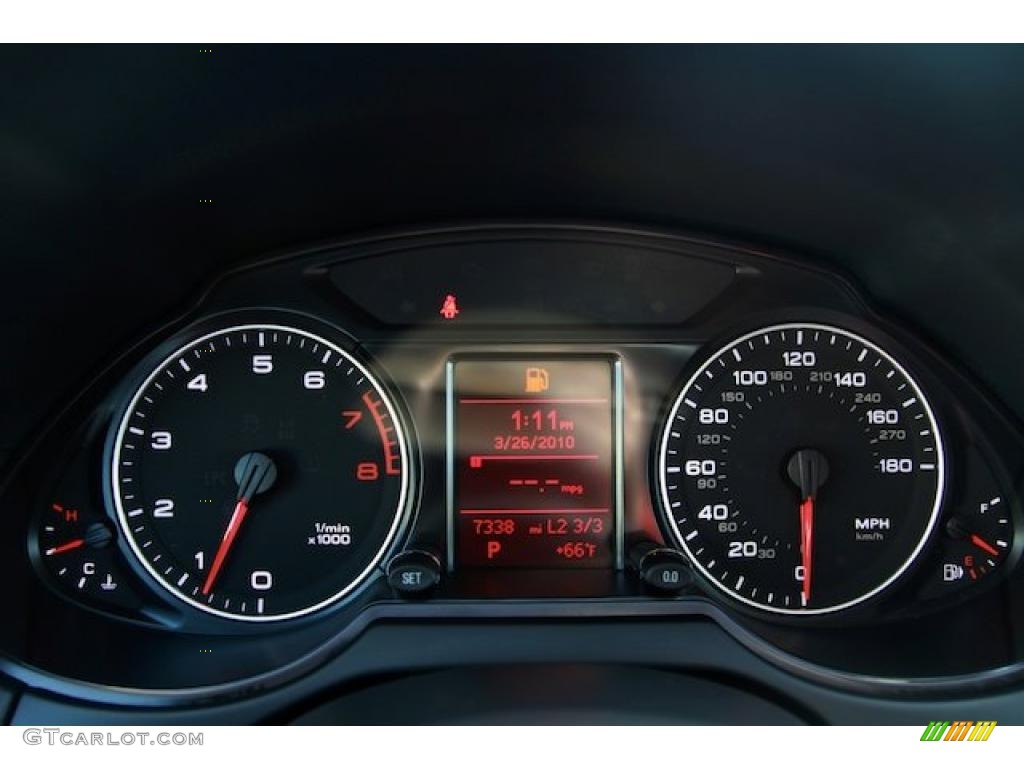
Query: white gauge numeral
[
  {"x": 262, "y": 364},
  {"x": 314, "y": 380},
  {"x": 742, "y": 549},
  {"x": 798, "y": 359},
  {"x": 896, "y": 466},
  {"x": 200, "y": 558},
  {"x": 160, "y": 441},
  {"x": 698, "y": 467},
  {"x": 750, "y": 378},
  {"x": 163, "y": 508},
  {"x": 261, "y": 580},
  {"x": 714, "y": 512},
  {"x": 198, "y": 383},
  {"x": 713, "y": 416},
  {"x": 882, "y": 416},
  {"x": 851, "y": 379}
]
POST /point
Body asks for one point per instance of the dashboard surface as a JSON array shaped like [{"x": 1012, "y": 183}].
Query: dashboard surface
[
  {"x": 413, "y": 429},
  {"x": 760, "y": 445}
]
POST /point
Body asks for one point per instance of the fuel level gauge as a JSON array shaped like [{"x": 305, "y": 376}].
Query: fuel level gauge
[
  {"x": 77, "y": 550},
  {"x": 978, "y": 540}
]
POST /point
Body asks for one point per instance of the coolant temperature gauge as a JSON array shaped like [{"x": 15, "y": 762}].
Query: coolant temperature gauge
[{"x": 77, "y": 550}]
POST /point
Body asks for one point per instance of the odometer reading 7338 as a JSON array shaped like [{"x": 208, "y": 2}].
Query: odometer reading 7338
[
  {"x": 533, "y": 457},
  {"x": 801, "y": 469}
]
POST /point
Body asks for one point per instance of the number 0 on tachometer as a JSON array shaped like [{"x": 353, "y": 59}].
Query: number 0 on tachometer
[{"x": 259, "y": 472}]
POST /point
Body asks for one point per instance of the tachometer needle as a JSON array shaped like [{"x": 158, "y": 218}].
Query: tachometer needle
[
  {"x": 74, "y": 544},
  {"x": 807, "y": 543},
  {"x": 254, "y": 473},
  {"x": 241, "y": 509}
]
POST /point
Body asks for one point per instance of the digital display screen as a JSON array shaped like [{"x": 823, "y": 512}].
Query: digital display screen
[{"x": 533, "y": 462}]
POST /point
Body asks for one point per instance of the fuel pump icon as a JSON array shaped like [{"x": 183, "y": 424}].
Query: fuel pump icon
[
  {"x": 952, "y": 572},
  {"x": 536, "y": 380}
]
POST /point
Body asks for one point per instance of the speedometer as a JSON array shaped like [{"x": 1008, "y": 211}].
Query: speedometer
[
  {"x": 259, "y": 472},
  {"x": 801, "y": 469}
]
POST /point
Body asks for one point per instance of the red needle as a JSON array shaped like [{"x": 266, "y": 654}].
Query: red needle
[
  {"x": 74, "y": 544},
  {"x": 241, "y": 508},
  {"x": 981, "y": 544},
  {"x": 806, "y": 542}
]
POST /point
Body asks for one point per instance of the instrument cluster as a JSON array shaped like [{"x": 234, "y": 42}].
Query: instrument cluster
[{"x": 539, "y": 421}]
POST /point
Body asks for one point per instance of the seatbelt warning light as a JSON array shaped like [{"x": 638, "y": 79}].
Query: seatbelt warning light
[{"x": 449, "y": 307}]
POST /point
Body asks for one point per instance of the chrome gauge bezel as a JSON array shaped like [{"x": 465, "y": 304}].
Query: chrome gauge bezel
[
  {"x": 403, "y": 506},
  {"x": 679, "y": 538}
]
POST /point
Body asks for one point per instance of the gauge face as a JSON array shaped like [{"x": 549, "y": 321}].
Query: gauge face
[
  {"x": 977, "y": 541},
  {"x": 260, "y": 473},
  {"x": 801, "y": 469},
  {"x": 77, "y": 549}
]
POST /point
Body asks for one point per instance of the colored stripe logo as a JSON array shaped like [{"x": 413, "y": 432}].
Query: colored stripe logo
[{"x": 961, "y": 730}]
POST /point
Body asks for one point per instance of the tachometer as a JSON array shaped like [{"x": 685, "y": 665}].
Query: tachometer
[
  {"x": 260, "y": 472},
  {"x": 801, "y": 469}
]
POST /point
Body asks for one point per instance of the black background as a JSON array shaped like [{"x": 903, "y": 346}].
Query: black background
[{"x": 900, "y": 164}]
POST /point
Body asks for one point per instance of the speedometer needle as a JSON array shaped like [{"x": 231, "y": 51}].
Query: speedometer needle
[
  {"x": 254, "y": 473},
  {"x": 808, "y": 470},
  {"x": 806, "y": 543}
]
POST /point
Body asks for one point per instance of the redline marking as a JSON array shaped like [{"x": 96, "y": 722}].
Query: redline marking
[{"x": 390, "y": 459}]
